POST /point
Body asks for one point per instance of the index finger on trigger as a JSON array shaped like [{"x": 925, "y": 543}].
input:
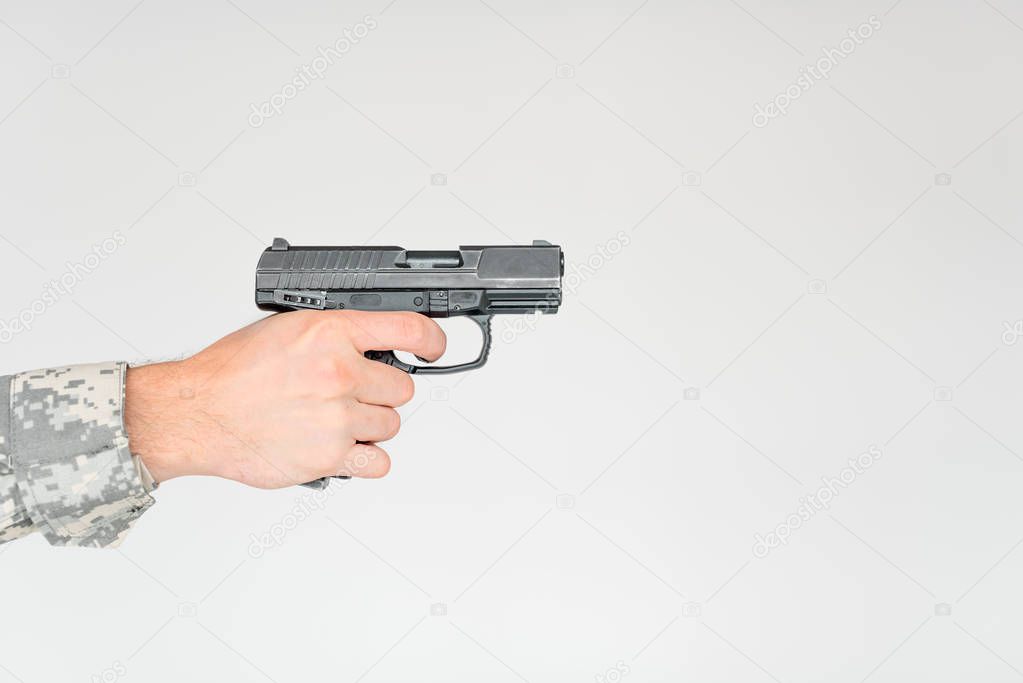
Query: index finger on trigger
[{"x": 397, "y": 331}]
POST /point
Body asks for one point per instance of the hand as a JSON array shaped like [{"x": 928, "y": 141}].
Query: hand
[{"x": 283, "y": 401}]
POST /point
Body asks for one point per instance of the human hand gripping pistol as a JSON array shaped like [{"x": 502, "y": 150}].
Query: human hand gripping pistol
[{"x": 478, "y": 282}]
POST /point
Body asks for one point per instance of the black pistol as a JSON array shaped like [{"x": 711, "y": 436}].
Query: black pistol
[{"x": 478, "y": 282}]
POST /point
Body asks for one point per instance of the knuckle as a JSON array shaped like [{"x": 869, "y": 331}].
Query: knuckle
[
  {"x": 443, "y": 343},
  {"x": 412, "y": 326},
  {"x": 366, "y": 460},
  {"x": 346, "y": 375},
  {"x": 328, "y": 327},
  {"x": 381, "y": 462},
  {"x": 405, "y": 390},
  {"x": 328, "y": 463},
  {"x": 392, "y": 423}
]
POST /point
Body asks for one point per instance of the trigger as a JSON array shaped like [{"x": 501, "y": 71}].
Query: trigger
[
  {"x": 388, "y": 358},
  {"x": 418, "y": 357}
]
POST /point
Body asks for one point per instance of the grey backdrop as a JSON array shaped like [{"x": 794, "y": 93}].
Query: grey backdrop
[{"x": 750, "y": 303}]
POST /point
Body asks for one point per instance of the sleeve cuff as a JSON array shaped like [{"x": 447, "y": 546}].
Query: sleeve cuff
[{"x": 77, "y": 478}]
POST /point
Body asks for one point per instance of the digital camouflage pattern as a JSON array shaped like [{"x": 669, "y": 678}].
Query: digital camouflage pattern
[{"x": 65, "y": 466}]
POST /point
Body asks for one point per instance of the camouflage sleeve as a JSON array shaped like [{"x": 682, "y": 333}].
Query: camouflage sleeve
[{"x": 65, "y": 466}]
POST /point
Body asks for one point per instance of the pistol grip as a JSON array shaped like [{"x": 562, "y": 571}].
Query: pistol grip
[{"x": 322, "y": 482}]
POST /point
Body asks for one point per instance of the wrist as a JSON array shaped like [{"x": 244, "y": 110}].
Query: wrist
[{"x": 159, "y": 426}]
